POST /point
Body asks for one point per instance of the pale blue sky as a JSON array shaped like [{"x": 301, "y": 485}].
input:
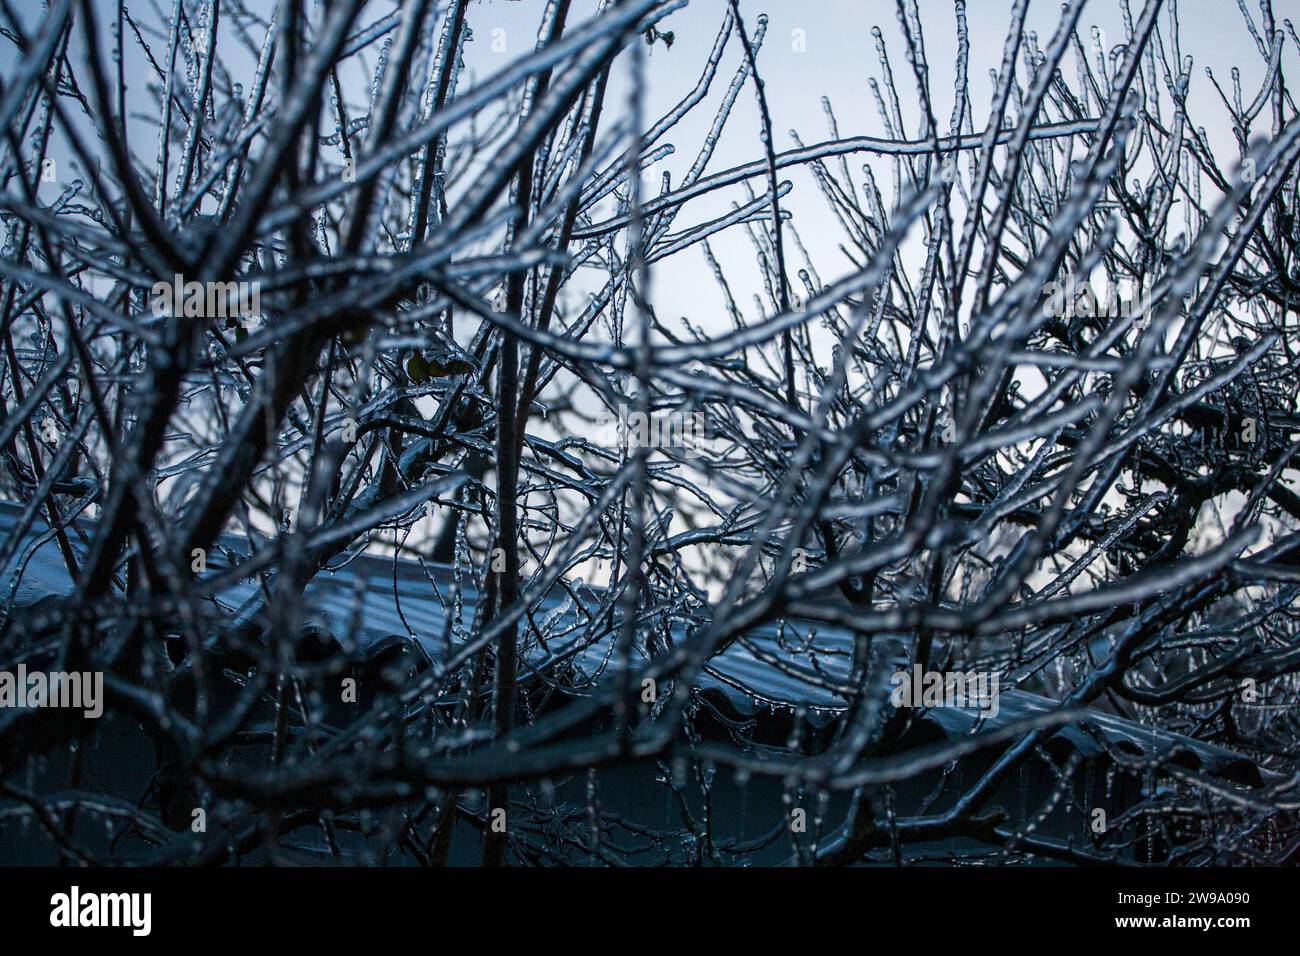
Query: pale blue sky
[{"x": 836, "y": 59}]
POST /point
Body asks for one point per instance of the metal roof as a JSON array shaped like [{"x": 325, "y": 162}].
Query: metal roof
[{"x": 791, "y": 665}]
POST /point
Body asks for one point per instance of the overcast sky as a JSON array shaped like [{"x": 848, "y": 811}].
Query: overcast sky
[
  {"x": 813, "y": 49},
  {"x": 835, "y": 59}
]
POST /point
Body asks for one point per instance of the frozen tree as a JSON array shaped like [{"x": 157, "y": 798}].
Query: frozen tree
[{"x": 290, "y": 291}]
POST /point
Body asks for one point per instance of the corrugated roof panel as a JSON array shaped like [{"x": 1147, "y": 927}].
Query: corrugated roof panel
[{"x": 789, "y": 664}]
